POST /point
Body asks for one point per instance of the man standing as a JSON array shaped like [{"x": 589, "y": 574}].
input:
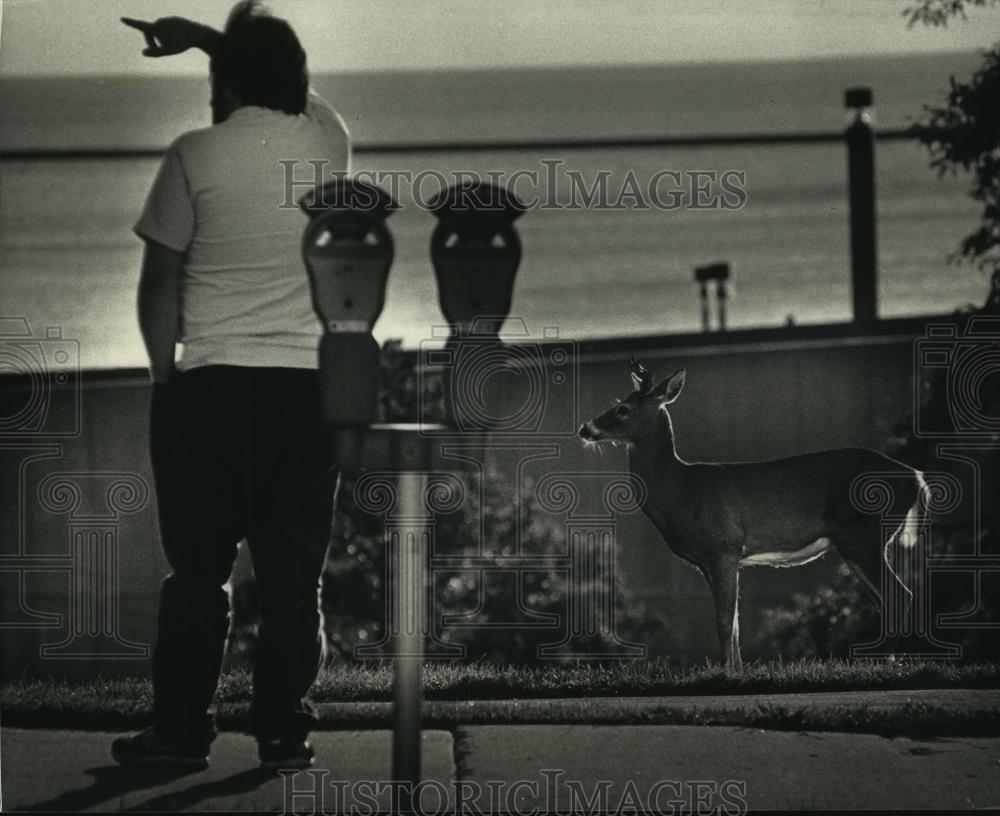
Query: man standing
[{"x": 238, "y": 446}]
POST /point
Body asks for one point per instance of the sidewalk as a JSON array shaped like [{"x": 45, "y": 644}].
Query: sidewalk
[
  {"x": 574, "y": 764},
  {"x": 518, "y": 768},
  {"x": 723, "y": 767}
]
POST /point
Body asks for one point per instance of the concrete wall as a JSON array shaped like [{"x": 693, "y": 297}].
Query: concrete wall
[{"x": 77, "y": 487}]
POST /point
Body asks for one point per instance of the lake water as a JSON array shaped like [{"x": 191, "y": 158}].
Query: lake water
[{"x": 68, "y": 257}]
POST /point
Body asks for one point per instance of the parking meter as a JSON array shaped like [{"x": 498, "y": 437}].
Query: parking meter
[
  {"x": 476, "y": 253},
  {"x": 347, "y": 251}
]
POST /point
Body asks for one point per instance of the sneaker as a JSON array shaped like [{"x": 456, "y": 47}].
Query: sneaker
[
  {"x": 285, "y": 753},
  {"x": 147, "y": 748}
]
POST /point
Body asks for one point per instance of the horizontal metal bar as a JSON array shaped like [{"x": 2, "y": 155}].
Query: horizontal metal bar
[
  {"x": 619, "y": 143},
  {"x": 522, "y": 145},
  {"x": 965, "y": 563},
  {"x": 81, "y": 154},
  {"x": 35, "y": 563},
  {"x": 769, "y": 338}
]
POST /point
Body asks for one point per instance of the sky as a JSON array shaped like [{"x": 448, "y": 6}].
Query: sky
[{"x": 84, "y": 37}]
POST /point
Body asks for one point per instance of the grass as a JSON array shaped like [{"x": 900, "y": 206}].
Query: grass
[
  {"x": 482, "y": 681},
  {"x": 359, "y": 696}
]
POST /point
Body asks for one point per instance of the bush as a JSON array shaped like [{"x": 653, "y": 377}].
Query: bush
[
  {"x": 823, "y": 624},
  {"x": 503, "y": 611}
]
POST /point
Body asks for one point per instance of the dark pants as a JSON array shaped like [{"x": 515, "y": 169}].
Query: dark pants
[{"x": 240, "y": 453}]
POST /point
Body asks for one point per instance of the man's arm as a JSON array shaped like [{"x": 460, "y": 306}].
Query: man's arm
[
  {"x": 159, "y": 307},
  {"x": 174, "y": 35},
  {"x": 317, "y": 108}
]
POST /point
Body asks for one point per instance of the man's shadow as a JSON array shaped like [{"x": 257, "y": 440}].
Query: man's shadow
[
  {"x": 244, "y": 782},
  {"x": 111, "y": 782}
]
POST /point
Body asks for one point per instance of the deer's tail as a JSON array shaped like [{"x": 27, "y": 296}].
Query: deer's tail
[
  {"x": 909, "y": 531},
  {"x": 903, "y": 555}
]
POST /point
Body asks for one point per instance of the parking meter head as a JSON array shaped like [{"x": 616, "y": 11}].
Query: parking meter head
[
  {"x": 348, "y": 250},
  {"x": 344, "y": 194},
  {"x": 476, "y": 252},
  {"x": 478, "y": 197}
]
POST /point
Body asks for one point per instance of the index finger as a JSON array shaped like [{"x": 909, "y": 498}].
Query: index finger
[{"x": 141, "y": 25}]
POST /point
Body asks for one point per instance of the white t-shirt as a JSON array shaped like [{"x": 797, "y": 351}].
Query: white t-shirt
[{"x": 222, "y": 197}]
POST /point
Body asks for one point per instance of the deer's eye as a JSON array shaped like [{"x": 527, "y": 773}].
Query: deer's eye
[{"x": 622, "y": 412}]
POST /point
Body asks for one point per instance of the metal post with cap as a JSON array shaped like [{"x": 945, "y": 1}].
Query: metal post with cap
[
  {"x": 703, "y": 276},
  {"x": 860, "y": 138}
]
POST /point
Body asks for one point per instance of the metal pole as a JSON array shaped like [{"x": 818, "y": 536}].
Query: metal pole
[
  {"x": 860, "y": 138},
  {"x": 720, "y": 300},
  {"x": 409, "y": 598},
  {"x": 704, "y": 306}
]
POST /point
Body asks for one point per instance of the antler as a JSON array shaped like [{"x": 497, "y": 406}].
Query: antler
[{"x": 642, "y": 376}]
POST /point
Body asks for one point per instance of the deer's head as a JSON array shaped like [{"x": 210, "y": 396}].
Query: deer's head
[{"x": 638, "y": 414}]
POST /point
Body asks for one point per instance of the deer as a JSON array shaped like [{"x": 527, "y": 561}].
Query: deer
[{"x": 725, "y": 516}]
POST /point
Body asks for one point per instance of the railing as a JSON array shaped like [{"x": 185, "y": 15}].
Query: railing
[{"x": 520, "y": 145}]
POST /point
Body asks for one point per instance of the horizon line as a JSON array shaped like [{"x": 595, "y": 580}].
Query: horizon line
[{"x": 480, "y": 69}]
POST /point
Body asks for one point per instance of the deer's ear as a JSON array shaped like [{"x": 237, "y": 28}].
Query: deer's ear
[
  {"x": 666, "y": 391},
  {"x": 636, "y": 381}
]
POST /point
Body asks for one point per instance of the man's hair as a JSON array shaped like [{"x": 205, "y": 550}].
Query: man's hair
[{"x": 259, "y": 58}]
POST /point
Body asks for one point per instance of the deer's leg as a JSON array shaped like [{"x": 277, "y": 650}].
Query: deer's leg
[
  {"x": 864, "y": 555},
  {"x": 860, "y": 544},
  {"x": 870, "y": 574},
  {"x": 725, "y": 583}
]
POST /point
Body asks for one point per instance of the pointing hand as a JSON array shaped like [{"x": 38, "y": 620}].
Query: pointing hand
[{"x": 170, "y": 35}]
